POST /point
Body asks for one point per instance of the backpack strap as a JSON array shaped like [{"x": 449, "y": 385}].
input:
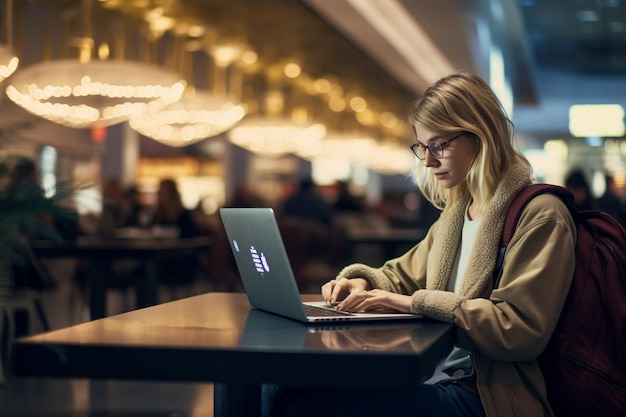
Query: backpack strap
[{"x": 514, "y": 213}]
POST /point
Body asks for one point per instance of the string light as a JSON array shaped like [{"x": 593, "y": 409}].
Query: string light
[
  {"x": 80, "y": 95},
  {"x": 190, "y": 120},
  {"x": 8, "y": 62}
]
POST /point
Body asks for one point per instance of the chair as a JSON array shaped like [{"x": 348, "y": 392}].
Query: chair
[
  {"x": 309, "y": 246},
  {"x": 180, "y": 277},
  {"x": 12, "y": 302},
  {"x": 121, "y": 277}
]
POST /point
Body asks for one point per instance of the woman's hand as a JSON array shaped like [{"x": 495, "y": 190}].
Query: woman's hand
[
  {"x": 336, "y": 290},
  {"x": 352, "y": 295}
]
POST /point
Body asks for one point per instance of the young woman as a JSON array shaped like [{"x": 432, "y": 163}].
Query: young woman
[{"x": 469, "y": 168}]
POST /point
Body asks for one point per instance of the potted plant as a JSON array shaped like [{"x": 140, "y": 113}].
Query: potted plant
[{"x": 26, "y": 212}]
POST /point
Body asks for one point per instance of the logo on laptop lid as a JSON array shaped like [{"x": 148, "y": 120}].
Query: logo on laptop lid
[{"x": 259, "y": 260}]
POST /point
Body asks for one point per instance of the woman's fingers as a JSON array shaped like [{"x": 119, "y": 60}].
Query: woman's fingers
[
  {"x": 332, "y": 290},
  {"x": 336, "y": 290},
  {"x": 327, "y": 290},
  {"x": 354, "y": 301}
]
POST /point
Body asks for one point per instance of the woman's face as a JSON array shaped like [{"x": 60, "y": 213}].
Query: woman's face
[{"x": 451, "y": 170}]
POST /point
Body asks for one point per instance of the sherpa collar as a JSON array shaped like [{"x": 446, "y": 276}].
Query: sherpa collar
[{"x": 482, "y": 259}]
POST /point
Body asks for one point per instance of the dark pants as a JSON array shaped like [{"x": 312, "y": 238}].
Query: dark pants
[{"x": 438, "y": 400}]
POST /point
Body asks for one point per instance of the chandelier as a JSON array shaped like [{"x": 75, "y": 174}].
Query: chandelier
[
  {"x": 8, "y": 62},
  {"x": 83, "y": 92},
  {"x": 275, "y": 136},
  {"x": 103, "y": 93},
  {"x": 200, "y": 114},
  {"x": 195, "y": 117}
]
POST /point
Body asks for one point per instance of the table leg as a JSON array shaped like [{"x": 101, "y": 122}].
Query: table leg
[
  {"x": 236, "y": 400},
  {"x": 147, "y": 291},
  {"x": 97, "y": 289}
]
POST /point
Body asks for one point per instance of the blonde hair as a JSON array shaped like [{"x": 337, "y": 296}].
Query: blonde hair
[{"x": 465, "y": 102}]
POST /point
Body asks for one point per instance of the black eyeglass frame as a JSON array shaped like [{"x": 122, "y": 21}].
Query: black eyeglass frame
[{"x": 441, "y": 145}]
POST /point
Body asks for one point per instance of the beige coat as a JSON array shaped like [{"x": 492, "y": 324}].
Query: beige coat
[{"x": 506, "y": 328}]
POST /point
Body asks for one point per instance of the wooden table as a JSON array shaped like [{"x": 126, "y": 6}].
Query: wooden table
[
  {"x": 102, "y": 251},
  {"x": 217, "y": 337}
]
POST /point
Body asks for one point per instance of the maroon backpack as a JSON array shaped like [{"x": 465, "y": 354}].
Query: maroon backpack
[{"x": 584, "y": 364}]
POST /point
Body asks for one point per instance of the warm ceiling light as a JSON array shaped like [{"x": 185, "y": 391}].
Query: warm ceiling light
[
  {"x": 358, "y": 104},
  {"x": 226, "y": 54},
  {"x": 337, "y": 104},
  {"x": 196, "y": 31},
  {"x": 190, "y": 120},
  {"x": 388, "y": 120},
  {"x": 292, "y": 70},
  {"x": 159, "y": 21},
  {"x": 335, "y": 90},
  {"x": 249, "y": 57},
  {"x": 322, "y": 85},
  {"x": 366, "y": 117},
  {"x": 80, "y": 95}
]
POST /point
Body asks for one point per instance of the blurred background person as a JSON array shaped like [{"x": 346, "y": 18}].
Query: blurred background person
[
  {"x": 121, "y": 273},
  {"x": 348, "y": 211},
  {"x": 169, "y": 210},
  {"x": 346, "y": 202},
  {"x": 41, "y": 217},
  {"x": 578, "y": 185},
  {"x": 306, "y": 224},
  {"x": 307, "y": 204},
  {"x": 136, "y": 213},
  {"x": 609, "y": 202},
  {"x": 245, "y": 197},
  {"x": 112, "y": 215}
]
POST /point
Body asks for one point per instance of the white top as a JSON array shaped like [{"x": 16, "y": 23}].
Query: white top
[
  {"x": 459, "y": 363},
  {"x": 470, "y": 228}
]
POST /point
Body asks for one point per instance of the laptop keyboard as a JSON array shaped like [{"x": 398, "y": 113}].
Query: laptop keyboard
[{"x": 317, "y": 311}]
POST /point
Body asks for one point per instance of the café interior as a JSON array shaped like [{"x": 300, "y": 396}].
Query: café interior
[{"x": 239, "y": 101}]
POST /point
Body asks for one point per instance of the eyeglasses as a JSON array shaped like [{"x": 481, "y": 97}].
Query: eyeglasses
[{"x": 435, "y": 148}]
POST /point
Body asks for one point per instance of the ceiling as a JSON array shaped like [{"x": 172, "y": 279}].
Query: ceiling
[{"x": 554, "y": 52}]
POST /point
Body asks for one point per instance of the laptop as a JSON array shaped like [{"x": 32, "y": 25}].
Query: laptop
[{"x": 266, "y": 273}]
